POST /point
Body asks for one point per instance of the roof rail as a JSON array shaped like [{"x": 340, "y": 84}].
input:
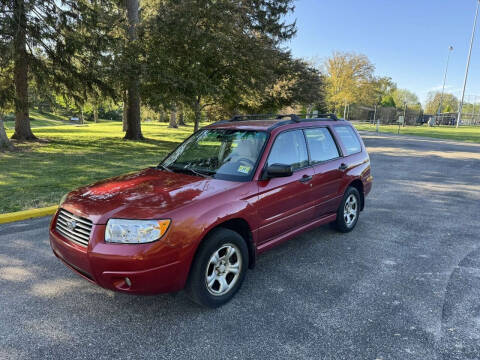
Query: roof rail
[
  {"x": 263, "y": 117},
  {"x": 293, "y": 118},
  {"x": 330, "y": 116}
]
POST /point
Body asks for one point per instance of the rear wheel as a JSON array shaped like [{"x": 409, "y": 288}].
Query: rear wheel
[
  {"x": 349, "y": 211},
  {"x": 218, "y": 269}
]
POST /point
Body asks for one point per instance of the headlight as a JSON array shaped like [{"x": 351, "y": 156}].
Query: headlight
[
  {"x": 135, "y": 231},
  {"x": 62, "y": 200}
]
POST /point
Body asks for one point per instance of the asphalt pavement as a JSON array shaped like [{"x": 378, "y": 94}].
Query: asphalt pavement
[{"x": 405, "y": 284}]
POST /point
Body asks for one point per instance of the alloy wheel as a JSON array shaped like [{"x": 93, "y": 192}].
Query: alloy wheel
[
  {"x": 223, "y": 269},
  {"x": 350, "y": 210}
]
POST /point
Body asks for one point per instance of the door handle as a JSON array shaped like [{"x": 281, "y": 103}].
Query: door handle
[
  {"x": 305, "y": 178},
  {"x": 343, "y": 166}
]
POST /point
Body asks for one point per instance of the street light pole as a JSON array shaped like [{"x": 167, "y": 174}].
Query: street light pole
[
  {"x": 459, "y": 117},
  {"x": 450, "y": 48}
]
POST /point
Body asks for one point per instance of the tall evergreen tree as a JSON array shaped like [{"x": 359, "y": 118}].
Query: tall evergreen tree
[
  {"x": 6, "y": 96},
  {"x": 58, "y": 44}
]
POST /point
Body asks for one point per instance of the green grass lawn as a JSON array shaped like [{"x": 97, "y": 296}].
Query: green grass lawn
[
  {"x": 39, "y": 119},
  {"x": 463, "y": 133},
  {"x": 38, "y": 174}
]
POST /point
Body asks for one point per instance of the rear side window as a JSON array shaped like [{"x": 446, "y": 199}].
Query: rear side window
[
  {"x": 349, "y": 139},
  {"x": 321, "y": 144},
  {"x": 289, "y": 148}
]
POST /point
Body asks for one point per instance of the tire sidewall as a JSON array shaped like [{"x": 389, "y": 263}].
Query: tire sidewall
[
  {"x": 196, "y": 285},
  {"x": 341, "y": 224}
]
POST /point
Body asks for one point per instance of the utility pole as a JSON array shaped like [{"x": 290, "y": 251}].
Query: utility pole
[
  {"x": 450, "y": 48},
  {"x": 459, "y": 117}
]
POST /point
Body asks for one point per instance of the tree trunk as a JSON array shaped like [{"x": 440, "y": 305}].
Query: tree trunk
[
  {"x": 309, "y": 111},
  {"x": 173, "y": 118},
  {"x": 95, "y": 114},
  {"x": 124, "y": 115},
  {"x": 4, "y": 141},
  {"x": 23, "y": 130},
  {"x": 198, "y": 113},
  {"x": 162, "y": 116},
  {"x": 81, "y": 116},
  {"x": 181, "y": 120},
  {"x": 134, "y": 130}
]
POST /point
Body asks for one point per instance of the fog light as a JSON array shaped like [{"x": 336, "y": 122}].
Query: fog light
[{"x": 128, "y": 282}]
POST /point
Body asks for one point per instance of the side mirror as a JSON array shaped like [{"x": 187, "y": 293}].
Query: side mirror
[{"x": 278, "y": 170}]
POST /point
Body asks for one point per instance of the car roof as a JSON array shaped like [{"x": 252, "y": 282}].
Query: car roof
[{"x": 270, "y": 124}]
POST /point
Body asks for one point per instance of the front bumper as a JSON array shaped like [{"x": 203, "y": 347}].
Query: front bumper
[{"x": 152, "y": 268}]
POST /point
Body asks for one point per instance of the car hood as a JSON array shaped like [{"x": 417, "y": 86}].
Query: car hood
[{"x": 146, "y": 194}]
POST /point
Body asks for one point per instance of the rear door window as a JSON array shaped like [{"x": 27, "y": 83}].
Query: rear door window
[
  {"x": 321, "y": 145},
  {"x": 349, "y": 139}
]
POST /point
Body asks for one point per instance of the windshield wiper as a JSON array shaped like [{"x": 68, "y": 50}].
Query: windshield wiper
[
  {"x": 166, "y": 168},
  {"x": 189, "y": 170},
  {"x": 197, "y": 172}
]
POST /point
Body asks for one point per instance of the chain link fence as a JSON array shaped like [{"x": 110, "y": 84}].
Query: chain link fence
[
  {"x": 385, "y": 115},
  {"x": 411, "y": 116},
  {"x": 450, "y": 119}
]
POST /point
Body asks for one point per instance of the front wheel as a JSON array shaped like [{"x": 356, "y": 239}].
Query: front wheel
[
  {"x": 218, "y": 269},
  {"x": 349, "y": 210}
]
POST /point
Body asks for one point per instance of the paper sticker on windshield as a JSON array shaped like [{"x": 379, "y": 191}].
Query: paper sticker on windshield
[{"x": 244, "y": 169}]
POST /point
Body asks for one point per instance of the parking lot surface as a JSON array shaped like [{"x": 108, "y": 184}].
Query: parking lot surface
[{"x": 405, "y": 284}]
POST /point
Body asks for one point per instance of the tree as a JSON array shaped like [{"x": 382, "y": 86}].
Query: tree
[
  {"x": 57, "y": 45},
  {"x": 6, "y": 94},
  {"x": 402, "y": 96},
  {"x": 181, "y": 116},
  {"x": 449, "y": 103},
  {"x": 295, "y": 83},
  {"x": 385, "y": 86},
  {"x": 204, "y": 52},
  {"x": 4, "y": 141},
  {"x": 388, "y": 101},
  {"x": 173, "y": 118},
  {"x": 350, "y": 79},
  {"x": 22, "y": 121},
  {"x": 134, "y": 130}
]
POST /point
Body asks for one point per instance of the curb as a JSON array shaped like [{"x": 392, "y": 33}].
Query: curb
[{"x": 27, "y": 214}]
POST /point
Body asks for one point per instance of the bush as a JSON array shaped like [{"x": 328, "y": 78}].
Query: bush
[{"x": 9, "y": 117}]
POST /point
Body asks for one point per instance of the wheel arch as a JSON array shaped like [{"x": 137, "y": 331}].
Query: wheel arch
[
  {"x": 240, "y": 226},
  {"x": 358, "y": 184}
]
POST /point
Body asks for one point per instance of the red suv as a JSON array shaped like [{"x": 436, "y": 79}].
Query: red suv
[{"x": 228, "y": 193}]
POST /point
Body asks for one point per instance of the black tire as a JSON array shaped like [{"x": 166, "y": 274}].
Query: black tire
[
  {"x": 217, "y": 241},
  {"x": 341, "y": 224}
]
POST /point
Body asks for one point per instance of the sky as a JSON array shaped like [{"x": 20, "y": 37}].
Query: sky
[{"x": 406, "y": 40}]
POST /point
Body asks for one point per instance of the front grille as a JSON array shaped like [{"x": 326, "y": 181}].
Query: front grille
[{"x": 74, "y": 228}]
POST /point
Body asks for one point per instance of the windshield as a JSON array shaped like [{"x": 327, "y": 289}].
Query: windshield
[{"x": 222, "y": 153}]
